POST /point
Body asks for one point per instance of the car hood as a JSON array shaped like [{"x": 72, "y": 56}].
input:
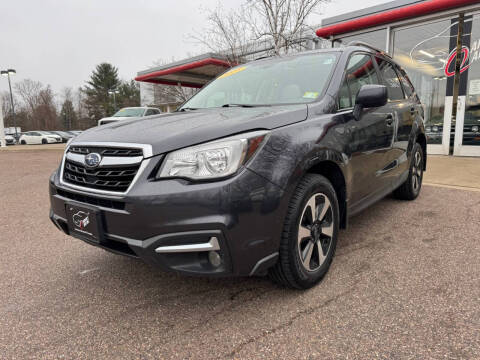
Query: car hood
[{"x": 173, "y": 131}]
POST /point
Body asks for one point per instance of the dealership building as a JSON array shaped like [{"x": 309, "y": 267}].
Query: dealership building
[{"x": 436, "y": 41}]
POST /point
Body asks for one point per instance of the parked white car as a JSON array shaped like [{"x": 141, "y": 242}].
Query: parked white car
[
  {"x": 9, "y": 140},
  {"x": 39, "y": 137},
  {"x": 128, "y": 113}
]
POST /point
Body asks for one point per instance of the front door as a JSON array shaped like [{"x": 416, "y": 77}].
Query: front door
[{"x": 370, "y": 136}]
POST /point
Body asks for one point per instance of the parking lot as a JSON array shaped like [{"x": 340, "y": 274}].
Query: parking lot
[{"x": 405, "y": 283}]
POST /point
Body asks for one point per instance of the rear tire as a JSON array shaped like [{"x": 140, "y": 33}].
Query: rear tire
[
  {"x": 23, "y": 142},
  {"x": 410, "y": 189},
  {"x": 309, "y": 237}
]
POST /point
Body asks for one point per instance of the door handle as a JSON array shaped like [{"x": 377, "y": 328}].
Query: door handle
[{"x": 389, "y": 120}]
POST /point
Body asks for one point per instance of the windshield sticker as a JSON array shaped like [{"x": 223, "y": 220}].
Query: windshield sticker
[
  {"x": 310, "y": 95},
  {"x": 231, "y": 72}
]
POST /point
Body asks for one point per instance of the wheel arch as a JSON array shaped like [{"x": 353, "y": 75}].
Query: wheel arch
[
  {"x": 333, "y": 172},
  {"x": 422, "y": 140}
]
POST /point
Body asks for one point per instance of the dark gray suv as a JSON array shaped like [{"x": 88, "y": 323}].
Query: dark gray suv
[{"x": 253, "y": 175}]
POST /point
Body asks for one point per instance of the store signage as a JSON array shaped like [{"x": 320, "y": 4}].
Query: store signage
[
  {"x": 468, "y": 58},
  {"x": 450, "y": 65}
]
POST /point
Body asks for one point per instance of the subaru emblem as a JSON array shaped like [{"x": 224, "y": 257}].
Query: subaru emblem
[{"x": 92, "y": 160}]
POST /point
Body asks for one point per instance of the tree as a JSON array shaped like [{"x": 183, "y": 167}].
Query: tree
[
  {"x": 68, "y": 115},
  {"x": 37, "y": 110},
  {"x": 272, "y": 26},
  {"x": 129, "y": 94},
  {"x": 283, "y": 22},
  {"x": 97, "y": 99},
  {"x": 228, "y": 32}
]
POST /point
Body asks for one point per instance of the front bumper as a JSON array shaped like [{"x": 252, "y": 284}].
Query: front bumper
[{"x": 244, "y": 214}]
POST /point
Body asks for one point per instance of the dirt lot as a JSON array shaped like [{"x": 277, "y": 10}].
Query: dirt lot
[{"x": 405, "y": 283}]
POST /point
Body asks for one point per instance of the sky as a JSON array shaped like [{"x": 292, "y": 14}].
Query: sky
[{"x": 59, "y": 42}]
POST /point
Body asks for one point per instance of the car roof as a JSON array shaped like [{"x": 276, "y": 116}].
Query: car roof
[{"x": 353, "y": 46}]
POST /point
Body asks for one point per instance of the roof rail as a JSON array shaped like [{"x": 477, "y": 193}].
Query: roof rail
[{"x": 364, "y": 44}]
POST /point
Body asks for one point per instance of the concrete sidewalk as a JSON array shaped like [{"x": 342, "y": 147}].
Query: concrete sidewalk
[{"x": 453, "y": 172}]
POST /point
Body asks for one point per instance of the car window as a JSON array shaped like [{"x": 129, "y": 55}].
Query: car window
[
  {"x": 360, "y": 71},
  {"x": 407, "y": 85},
  {"x": 391, "y": 80},
  {"x": 150, "y": 112},
  {"x": 280, "y": 80}
]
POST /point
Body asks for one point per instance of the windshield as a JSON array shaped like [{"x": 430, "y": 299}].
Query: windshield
[
  {"x": 289, "y": 80},
  {"x": 129, "y": 112}
]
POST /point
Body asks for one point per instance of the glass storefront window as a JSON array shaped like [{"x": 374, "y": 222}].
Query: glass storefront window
[
  {"x": 471, "y": 127},
  {"x": 423, "y": 51},
  {"x": 377, "y": 38}
]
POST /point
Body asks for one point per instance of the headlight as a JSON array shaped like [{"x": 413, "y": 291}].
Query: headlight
[
  {"x": 435, "y": 128},
  {"x": 475, "y": 128},
  {"x": 212, "y": 160},
  {"x": 428, "y": 129}
]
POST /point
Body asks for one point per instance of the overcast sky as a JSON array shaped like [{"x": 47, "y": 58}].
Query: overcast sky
[{"x": 59, "y": 42}]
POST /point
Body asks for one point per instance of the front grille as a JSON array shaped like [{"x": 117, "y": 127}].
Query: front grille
[
  {"x": 106, "y": 151},
  {"x": 112, "y": 204},
  {"x": 116, "y": 178}
]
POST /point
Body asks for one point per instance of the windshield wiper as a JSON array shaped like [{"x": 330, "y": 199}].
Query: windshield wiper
[
  {"x": 239, "y": 105},
  {"x": 187, "y": 108}
]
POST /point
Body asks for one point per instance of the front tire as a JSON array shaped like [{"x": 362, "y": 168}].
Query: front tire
[
  {"x": 410, "y": 189},
  {"x": 44, "y": 141},
  {"x": 23, "y": 142},
  {"x": 309, "y": 237}
]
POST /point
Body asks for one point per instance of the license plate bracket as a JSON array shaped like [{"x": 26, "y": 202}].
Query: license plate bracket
[{"x": 84, "y": 222}]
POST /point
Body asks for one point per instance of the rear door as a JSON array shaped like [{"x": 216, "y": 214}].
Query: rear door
[{"x": 369, "y": 137}]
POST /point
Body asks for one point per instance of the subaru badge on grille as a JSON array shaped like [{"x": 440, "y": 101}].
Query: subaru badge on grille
[{"x": 92, "y": 160}]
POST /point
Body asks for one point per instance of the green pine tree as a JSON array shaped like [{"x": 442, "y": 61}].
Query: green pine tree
[
  {"x": 129, "y": 94},
  {"x": 98, "y": 102}
]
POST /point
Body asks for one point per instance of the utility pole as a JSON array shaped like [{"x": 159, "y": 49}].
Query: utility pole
[
  {"x": 7, "y": 74},
  {"x": 114, "y": 98}
]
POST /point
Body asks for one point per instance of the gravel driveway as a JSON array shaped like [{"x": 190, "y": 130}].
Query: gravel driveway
[{"x": 405, "y": 284}]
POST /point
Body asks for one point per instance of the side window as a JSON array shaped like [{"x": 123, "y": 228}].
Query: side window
[
  {"x": 156, "y": 111},
  {"x": 394, "y": 88},
  {"x": 149, "y": 112},
  {"x": 407, "y": 85},
  {"x": 360, "y": 71}
]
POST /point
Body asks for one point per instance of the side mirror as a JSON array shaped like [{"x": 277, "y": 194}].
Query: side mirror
[{"x": 370, "y": 96}]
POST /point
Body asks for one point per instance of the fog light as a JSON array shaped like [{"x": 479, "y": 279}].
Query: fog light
[{"x": 214, "y": 258}]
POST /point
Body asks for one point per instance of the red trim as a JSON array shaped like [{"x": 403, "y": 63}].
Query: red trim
[
  {"x": 185, "y": 67},
  {"x": 407, "y": 12},
  {"x": 169, "y": 82}
]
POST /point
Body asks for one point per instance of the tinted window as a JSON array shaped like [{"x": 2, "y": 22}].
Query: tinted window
[
  {"x": 360, "y": 71},
  {"x": 407, "y": 85},
  {"x": 149, "y": 112},
  {"x": 391, "y": 80}
]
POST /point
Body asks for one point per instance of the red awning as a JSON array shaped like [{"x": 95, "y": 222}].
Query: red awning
[
  {"x": 194, "y": 72},
  {"x": 386, "y": 17}
]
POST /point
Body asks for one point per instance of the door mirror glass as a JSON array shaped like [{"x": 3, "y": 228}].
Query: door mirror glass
[{"x": 372, "y": 96}]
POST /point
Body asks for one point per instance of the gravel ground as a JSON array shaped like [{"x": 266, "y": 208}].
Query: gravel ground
[{"x": 405, "y": 284}]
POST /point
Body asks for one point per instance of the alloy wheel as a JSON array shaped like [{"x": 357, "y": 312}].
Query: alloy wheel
[
  {"x": 315, "y": 231},
  {"x": 417, "y": 171}
]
